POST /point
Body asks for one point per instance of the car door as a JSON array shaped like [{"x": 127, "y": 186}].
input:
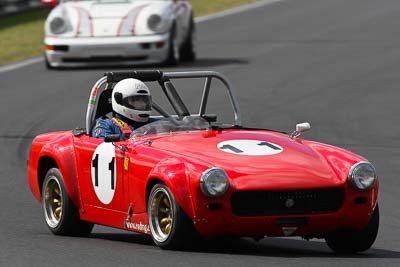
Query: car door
[{"x": 102, "y": 173}]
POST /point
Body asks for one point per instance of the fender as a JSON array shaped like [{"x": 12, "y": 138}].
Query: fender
[
  {"x": 341, "y": 160},
  {"x": 49, "y": 149},
  {"x": 174, "y": 173}
]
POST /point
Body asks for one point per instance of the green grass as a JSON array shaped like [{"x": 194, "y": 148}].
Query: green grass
[
  {"x": 21, "y": 36},
  {"x": 202, "y": 7}
]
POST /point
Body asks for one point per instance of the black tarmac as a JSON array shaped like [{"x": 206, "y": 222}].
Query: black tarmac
[{"x": 334, "y": 63}]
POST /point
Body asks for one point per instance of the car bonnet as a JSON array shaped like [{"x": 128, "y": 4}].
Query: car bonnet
[{"x": 254, "y": 158}]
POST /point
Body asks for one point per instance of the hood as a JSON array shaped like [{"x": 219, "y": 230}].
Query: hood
[
  {"x": 107, "y": 18},
  {"x": 254, "y": 159},
  {"x": 109, "y": 9}
]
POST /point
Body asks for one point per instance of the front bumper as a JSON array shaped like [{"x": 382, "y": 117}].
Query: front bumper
[
  {"x": 106, "y": 51},
  {"x": 352, "y": 214}
]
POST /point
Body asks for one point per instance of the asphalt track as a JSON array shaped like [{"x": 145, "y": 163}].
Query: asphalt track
[{"x": 335, "y": 63}]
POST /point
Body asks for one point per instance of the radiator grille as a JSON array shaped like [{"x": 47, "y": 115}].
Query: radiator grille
[{"x": 259, "y": 203}]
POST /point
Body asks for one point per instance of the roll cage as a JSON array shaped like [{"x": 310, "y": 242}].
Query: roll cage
[{"x": 100, "y": 95}]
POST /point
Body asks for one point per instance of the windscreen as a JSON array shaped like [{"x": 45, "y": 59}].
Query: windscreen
[{"x": 168, "y": 125}]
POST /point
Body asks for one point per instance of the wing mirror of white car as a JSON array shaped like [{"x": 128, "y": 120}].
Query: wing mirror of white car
[{"x": 300, "y": 128}]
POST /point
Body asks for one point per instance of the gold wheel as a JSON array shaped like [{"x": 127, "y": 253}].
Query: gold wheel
[
  {"x": 52, "y": 201},
  {"x": 161, "y": 214}
]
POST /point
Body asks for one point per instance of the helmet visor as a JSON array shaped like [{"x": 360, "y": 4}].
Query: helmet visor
[{"x": 138, "y": 102}]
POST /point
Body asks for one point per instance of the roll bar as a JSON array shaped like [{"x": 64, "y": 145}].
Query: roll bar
[{"x": 164, "y": 79}]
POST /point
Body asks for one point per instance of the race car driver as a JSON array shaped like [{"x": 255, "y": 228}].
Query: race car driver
[{"x": 131, "y": 103}]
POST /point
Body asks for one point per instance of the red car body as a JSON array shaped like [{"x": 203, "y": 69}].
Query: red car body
[{"x": 312, "y": 174}]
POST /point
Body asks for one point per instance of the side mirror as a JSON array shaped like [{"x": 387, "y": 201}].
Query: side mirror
[
  {"x": 300, "y": 128},
  {"x": 49, "y": 2},
  {"x": 303, "y": 127},
  {"x": 112, "y": 138}
]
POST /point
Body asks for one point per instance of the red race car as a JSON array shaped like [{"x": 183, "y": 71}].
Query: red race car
[{"x": 187, "y": 175}]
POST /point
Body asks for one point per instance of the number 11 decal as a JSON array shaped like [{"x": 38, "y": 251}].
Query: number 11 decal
[
  {"x": 95, "y": 165},
  {"x": 104, "y": 178},
  {"x": 245, "y": 147}
]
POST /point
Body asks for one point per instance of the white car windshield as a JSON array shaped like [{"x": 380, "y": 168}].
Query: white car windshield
[{"x": 168, "y": 125}]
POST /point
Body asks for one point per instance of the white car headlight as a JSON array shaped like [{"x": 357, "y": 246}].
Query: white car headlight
[
  {"x": 58, "y": 25},
  {"x": 154, "y": 22},
  {"x": 214, "y": 182},
  {"x": 362, "y": 176}
]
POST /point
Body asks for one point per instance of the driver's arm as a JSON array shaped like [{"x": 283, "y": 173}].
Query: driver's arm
[{"x": 103, "y": 128}]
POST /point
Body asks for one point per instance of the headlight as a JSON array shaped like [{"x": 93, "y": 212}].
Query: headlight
[
  {"x": 58, "y": 25},
  {"x": 214, "y": 182},
  {"x": 154, "y": 22},
  {"x": 362, "y": 176}
]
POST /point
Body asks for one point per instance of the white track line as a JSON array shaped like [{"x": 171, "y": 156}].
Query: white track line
[
  {"x": 236, "y": 10},
  {"x": 21, "y": 64},
  {"x": 228, "y": 12}
]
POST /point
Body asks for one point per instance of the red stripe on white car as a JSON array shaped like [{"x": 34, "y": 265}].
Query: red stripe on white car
[
  {"x": 136, "y": 17},
  {"x": 79, "y": 9},
  {"x": 78, "y": 22},
  {"x": 138, "y": 9}
]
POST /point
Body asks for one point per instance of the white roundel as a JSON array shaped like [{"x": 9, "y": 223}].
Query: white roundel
[
  {"x": 104, "y": 178},
  {"x": 250, "y": 147}
]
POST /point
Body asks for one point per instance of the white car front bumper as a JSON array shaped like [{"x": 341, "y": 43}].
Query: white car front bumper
[{"x": 106, "y": 51}]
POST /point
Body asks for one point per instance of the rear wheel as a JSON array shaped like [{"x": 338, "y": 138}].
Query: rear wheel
[
  {"x": 351, "y": 241},
  {"x": 60, "y": 213},
  {"x": 170, "y": 227}
]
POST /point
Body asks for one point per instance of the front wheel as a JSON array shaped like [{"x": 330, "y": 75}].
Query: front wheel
[
  {"x": 170, "y": 227},
  {"x": 351, "y": 241},
  {"x": 60, "y": 213},
  {"x": 173, "y": 49},
  {"x": 47, "y": 63}
]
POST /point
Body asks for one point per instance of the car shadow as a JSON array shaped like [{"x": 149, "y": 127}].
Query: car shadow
[
  {"x": 215, "y": 62},
  {"x": 268, "y": 247},
  {"x": 199, "y": 63}
]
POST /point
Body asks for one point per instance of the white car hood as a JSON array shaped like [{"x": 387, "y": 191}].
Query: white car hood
[
  {"x": 110, "y": 18},
  {"x": 114, "y": 9}
]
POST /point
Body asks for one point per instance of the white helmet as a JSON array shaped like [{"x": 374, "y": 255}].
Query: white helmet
[{"x": 131, "y": 98}]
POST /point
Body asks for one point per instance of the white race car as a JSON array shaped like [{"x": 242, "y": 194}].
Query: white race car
[{"x": 119, "y": 32}]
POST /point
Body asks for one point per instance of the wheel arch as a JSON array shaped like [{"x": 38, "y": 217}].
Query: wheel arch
[
  {"x": 150, "y": 183},
  {"x": 44, "y": 165},
  {"x": 173, "y": 173},
  {"x": 55, "y": 153}
]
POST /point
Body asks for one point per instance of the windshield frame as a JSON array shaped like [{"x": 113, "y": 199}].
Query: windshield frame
[{"x": 171, "y": 125}]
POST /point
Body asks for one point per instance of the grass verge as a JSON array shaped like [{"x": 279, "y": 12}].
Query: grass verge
[{"x": 21, "y": 36}]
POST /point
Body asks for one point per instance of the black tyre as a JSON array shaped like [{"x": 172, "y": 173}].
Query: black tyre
[
  {"x": 170, "y": 227},
  {"x": 188, "y": 50},
  {"x": 173, "y": 49},
  {"x": 60, "y": 213},
  {"x": 350, "y": 241}
]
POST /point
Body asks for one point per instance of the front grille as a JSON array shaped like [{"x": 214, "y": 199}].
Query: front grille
[{"x": 290, "y": 202}]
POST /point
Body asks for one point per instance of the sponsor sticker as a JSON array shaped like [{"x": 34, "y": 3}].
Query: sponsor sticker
[{"x": 139, "y": 227}]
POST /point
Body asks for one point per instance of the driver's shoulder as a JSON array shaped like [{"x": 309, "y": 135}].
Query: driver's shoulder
[{"x": 103, "y": 121}]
